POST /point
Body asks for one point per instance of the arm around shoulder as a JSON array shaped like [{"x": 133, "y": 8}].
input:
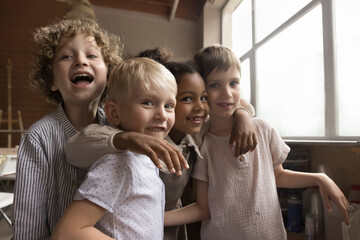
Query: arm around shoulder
[{"x": 93, "y": 142}]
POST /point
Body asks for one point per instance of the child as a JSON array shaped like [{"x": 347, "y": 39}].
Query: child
[
  {"x": 122, "y": 193},
  {"x": 70, "y": 69},
  {"x": 190, "y": 113},
  {"x": 240, "y": 194}
]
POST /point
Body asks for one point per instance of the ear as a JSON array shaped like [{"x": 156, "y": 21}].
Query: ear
[
  {"x": 54, "y": 87},
  {"x": 112, "y": 112}
]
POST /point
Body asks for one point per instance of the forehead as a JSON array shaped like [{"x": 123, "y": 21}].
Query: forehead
[
  {"x": 161, "y": 92},
  {"x": 77, "y": 40},
  {"x": 191, "y": 82},
  {"x": 220, "y": 75}
]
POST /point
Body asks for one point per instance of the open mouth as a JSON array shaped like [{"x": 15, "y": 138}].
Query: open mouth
[
  {"x": 197, "y": 119},
  {"x": 82, "y": 79},
  {"x": 156, "y": 129}
]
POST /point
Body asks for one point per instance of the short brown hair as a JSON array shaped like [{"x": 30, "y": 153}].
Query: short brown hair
[
  {"x": 48, "y": 38},
  {"x": 215, "y": 57}
]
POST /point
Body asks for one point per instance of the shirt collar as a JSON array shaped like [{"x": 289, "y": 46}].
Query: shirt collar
[{"x": 187, "y": 141}]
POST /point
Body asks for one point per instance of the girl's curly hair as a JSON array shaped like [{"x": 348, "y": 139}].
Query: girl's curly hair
[{"x": 48, "y": 38}]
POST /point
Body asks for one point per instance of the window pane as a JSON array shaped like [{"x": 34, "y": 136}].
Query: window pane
[
  {"x": 347, "y": 21},
  {"x": 245, "y": 81},
  {"x": 241, "y": 32},
  {"x": 290, "y": 79},
  {"x": 271, "y": 14}
]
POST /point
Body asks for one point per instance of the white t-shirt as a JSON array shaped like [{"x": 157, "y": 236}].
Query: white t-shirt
[
  {"x": 242, "y": 193},
  {"x": 128, "y": 186}
]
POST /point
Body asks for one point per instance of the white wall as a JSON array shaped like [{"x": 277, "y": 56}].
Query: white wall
[
  {"x": 142, "y": 31},
  {"x": 211, "y": 22}
]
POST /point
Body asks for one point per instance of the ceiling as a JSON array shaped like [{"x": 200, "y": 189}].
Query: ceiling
[{"x": 185, "y": 9}]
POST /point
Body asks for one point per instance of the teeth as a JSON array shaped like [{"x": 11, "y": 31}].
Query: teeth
[
  {"x": 81, "y": 75},
  {"x": 196, "y": 118},
  {"x": 156, "y": 129}
]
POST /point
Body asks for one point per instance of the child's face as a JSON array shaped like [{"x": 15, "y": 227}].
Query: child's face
[
  {"x": 223, "y": 90},
  {"x": 79, "y": 70},
  {"x": 191, "y": 107},
  {"x": 150, "y": 112}
]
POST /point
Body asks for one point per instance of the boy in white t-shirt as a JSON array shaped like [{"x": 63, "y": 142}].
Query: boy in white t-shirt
[
  {"x": 122, "y": 193},
  {"x": 239, "y": 194}
]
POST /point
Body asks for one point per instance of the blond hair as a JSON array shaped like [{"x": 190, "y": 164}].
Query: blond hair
[{"x": 141, "y": 74}]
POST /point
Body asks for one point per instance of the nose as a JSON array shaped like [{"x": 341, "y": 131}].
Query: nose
[
  {"x": 199, "y": 106},
  {"x": 81, "y": 60},
  {"x": 226, "y": 92},
  {"x": 160, "y": 114}
]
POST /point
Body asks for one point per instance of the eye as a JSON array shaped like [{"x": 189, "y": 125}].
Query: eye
[
  {"x": 234, "y": 83},
  {"x": 92, "y": 56},
  {"x": 169, "y": 106},
  {"x": 214, "y": 85},
  {"x": 65, "y": 57},
  {"x": 186, "y": 99},
  {"x": 203, "y": 98},
  {"x": 147, "y": 103}
]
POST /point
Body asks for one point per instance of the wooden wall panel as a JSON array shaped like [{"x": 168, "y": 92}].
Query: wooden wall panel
[{"x": 18, "y": 19}]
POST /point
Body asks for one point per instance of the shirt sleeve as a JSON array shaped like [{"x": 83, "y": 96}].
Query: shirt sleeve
[
  {"x": 279, "y": 150},
  {"x": 87, "y": 146},
  {"x": 106, "y": 182},
  {"x": 248, "y": 107},
  {"x": 30, "y": 218},
  {"x": 201, "y": 165}
]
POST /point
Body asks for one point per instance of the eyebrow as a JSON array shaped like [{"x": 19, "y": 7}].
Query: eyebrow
[{"x": 189, "y": 92}]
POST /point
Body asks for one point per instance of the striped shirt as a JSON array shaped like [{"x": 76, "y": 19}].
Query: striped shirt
[{"x": 45, "y": 183}]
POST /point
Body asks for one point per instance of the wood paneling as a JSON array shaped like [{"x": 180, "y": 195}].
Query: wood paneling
[
  {"x": 18, "y": 19},
  {"x": 187, "y": 9}
]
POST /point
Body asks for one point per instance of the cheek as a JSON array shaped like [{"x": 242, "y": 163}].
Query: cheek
[
  {"x": 171, "y": 120},
  {"x": 181, "y": 111}
]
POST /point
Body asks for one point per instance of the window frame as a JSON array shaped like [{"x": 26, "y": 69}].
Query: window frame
[{"x": 331, "y": 104}]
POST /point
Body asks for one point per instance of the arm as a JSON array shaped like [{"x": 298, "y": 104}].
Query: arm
[
  {"x": 328, "y": 189},
  {"x": 94, "y": 141},
  {"x": 194, "y": 212},
  {"x": 243, "y": 133},
  {"x": 78, "y": 222},
  {"x": 30, "y": 214}
]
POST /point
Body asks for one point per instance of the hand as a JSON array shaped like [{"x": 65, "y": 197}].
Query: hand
[
  {"x": 330, "y": 191},
  {"x": 154, "y": 148},
  {"x": 243, "y": 133}
]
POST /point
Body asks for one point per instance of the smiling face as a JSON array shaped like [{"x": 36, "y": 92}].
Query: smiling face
[
  {"x": 148, "y": 111},
  {"x": 223, "y": 90},
  {"x": 79, "y": 70},
  {"x": 191, "y": 107}
]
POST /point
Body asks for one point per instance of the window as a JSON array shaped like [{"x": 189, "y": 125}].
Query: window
[{"x": 299, "y": 62}]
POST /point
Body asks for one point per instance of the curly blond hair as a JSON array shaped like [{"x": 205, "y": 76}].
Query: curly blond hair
[{"x": 48, "y": 38}]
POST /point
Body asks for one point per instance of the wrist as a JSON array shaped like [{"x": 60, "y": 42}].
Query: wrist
[
  {"x": 241, "y": 112},
  {"x": 319, "y": 179},
  {"x": 120, "y": 140}
]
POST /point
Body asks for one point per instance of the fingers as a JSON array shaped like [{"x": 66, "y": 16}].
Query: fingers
[
  {"x": 254, "y": 142},
  {"x": 172, "y": 157},
  {"x": 243, "y": 144},
  {"x": 326, "y": 202},
  {"x": 177, "y": 159},
  {"x": 345, "y": 210},
  {"x": 159, "y": 151}
]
